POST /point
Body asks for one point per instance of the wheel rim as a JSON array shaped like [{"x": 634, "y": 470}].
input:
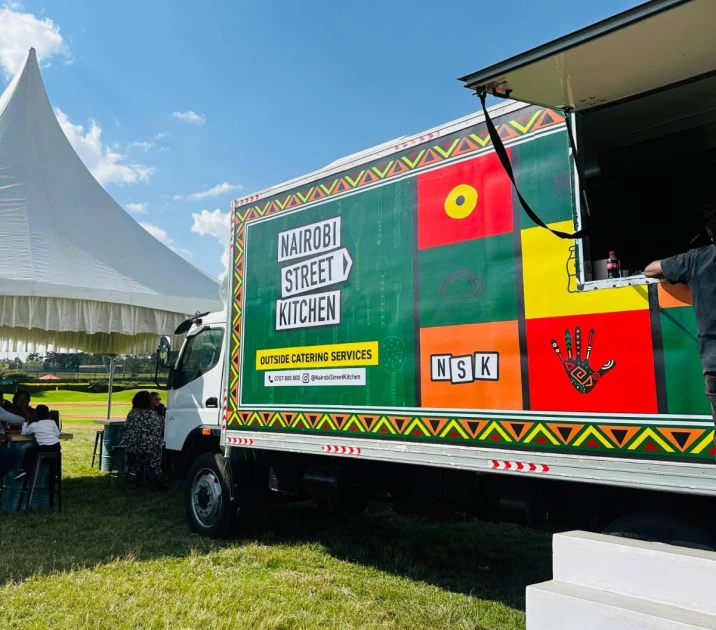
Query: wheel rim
[{"x": 206, "y": 497}]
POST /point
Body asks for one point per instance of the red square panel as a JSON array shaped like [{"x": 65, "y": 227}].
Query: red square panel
[
  {"x": 468, "y": 200},
  {"x": 593, "y": 363}
]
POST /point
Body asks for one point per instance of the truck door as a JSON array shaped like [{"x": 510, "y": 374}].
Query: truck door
[{"x": 195, "y": 386}]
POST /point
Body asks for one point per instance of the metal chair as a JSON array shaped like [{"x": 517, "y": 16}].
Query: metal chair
[
  {"x": 54, "y": 459},
  {"x": 131, "y": 466},
  {"x": 115, "y": 469},
  {"x": 99, "y": 436}
]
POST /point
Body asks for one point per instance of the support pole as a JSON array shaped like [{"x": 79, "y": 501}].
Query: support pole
[{"x": 111, "y": 383}]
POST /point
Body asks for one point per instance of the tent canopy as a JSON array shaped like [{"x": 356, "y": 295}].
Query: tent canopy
[{"x": 76, "y": 271}]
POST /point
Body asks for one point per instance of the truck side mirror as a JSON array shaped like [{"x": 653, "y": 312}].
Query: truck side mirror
[{"x": 163, "y": 352}]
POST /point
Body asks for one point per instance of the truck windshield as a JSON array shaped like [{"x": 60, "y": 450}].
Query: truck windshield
[{"x": 201, "y": 354}]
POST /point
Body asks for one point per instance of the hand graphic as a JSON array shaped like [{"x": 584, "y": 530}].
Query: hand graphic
[{"x": 582, "y": 376}]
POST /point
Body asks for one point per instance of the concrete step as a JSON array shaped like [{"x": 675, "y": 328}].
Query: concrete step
[
  {"x": 559, "y": 605},
  {"x": 676, "y": 576}
]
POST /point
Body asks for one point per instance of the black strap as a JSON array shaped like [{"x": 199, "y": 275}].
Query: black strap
[{"x": 505, "y": 160}]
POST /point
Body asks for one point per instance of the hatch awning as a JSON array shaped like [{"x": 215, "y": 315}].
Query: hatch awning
[{"x": 654, "y": 45}]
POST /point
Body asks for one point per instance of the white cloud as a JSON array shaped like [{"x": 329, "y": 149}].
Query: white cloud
[
  {"x": 163, "y": 149},
  {"x": 162, "y": 236},
  {"x": 137, "y": 208},
  {"x": 108, "y": 166},
  {"x": 144, "y": 146},
  {"x": 217, "y": 190},
  {"x": 157, "y": 232},
  {"x": 20, "y": 31},
  {"x": 218, "y": 225},
  {"x": 161, "y": 135},
  {"x": 190, "y": 117}
]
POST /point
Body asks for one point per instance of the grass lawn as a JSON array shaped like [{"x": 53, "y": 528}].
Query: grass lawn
[
  {"x": 122, "y": 557},
  {"x": 74, "y": 416}
]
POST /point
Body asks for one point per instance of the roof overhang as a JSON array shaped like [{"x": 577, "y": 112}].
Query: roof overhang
[{"x": 655, "y": 45}]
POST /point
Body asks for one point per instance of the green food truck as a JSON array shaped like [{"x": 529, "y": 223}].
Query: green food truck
[{"x": 399, "y": 325}]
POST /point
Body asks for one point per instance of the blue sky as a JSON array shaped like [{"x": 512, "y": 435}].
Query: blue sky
[{"x": 179, "y": 107}]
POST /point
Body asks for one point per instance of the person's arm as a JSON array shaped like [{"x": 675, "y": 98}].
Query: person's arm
[
  {"x": 677, "y": 269},
  {"x": 27, "y": 429},
  {"x": 55, "y": 429},
  {"x": 653, "y": 270},
  {"x": 11, "y": 418}
]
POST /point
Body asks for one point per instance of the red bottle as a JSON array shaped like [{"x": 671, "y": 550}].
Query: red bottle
[{"x": 614, "y": 267}]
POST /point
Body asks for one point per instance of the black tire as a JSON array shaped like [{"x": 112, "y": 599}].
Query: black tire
[
  {"x": 661, "y": 527},
  {"x": 209, "y": 510}
]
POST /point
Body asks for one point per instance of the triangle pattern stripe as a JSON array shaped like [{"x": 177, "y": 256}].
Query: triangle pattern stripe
[
  {"x": 473, "y": 427},
  {"x": 412, "y": 162},
  {"x": 447, "y": 151},
  {"x": 398, "y": 169},
  {"x": 454, "y": 427},
  {"x": 526, "y": 127},
  {"x": 383, "y": 173},
  {"x": 591, "y": 432},
  {"x": 483, "y": 142},
  {"x": 416, "y": 427},
  {"x": 620, "y": 435},
  {"x": 565, "y": 432},
  {"x": 707, "y": 442},
  {"x": 384, "y": 426},
  {"x": 541, "y": 430},
  {"x": 517, "y": 429},
  {"x": 495, "y": 427},
  {"x": 650, "y": 434},
  {"x": 681, "y": 438}
]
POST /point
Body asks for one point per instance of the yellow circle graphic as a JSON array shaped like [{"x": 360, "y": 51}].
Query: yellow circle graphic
[{"x": 461, "y": 201}]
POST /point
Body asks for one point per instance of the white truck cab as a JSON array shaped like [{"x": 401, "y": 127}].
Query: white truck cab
[{"x": 194, "y": 386}]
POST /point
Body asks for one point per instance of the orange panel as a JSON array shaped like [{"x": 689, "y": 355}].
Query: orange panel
[
  {"x": 471, "y": 366},
  {"x": 672, "y": 295}
]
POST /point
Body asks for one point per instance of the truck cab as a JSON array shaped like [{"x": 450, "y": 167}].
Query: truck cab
[{"x": 194, "y": 384}]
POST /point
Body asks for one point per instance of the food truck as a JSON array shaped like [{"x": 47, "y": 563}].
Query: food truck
[{"x": 432, "y": 321}]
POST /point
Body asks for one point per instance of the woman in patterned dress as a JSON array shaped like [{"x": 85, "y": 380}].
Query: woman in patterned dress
[{"x": 144, "y": 434}]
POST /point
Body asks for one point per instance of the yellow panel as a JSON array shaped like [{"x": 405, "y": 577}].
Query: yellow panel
[{"x": 550, "y": 281}]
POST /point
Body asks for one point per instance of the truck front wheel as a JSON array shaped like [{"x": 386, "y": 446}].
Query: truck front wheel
[{"x": 207, "y": 496}]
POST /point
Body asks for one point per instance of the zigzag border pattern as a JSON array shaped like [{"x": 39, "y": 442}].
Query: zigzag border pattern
[
  {"x": 647, "y": 440},
  {"x": 464, "y": 143}
]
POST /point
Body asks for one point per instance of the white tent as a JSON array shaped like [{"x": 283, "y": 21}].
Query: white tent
[{"x": 76, "y": 271}]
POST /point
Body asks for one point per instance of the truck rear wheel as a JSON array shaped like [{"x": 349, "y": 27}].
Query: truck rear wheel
[
  {"x": 661, "y": 527},
  {"x": 207, "y": 496}
]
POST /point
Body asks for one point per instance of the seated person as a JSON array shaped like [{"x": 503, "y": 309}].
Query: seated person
[
  {"x": 144, "y": 434},
  {"x": 47, "y": 438},
  {"x": 8, "y": 458},
  {"x": 21, "y": 405},
  {"x": 4, "y": 404},
  {"x": 157, "y": 405}
]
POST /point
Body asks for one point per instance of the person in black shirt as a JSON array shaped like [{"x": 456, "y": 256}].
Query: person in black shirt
[{"x": 697, "y": 269}]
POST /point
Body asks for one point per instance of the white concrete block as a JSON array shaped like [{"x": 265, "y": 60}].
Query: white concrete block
[
  {"x": 660, "y": 573},
  {"x": 560, "y": 606}
]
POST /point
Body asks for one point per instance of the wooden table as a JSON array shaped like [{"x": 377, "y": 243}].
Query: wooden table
[{"x": 16, "y": 437}]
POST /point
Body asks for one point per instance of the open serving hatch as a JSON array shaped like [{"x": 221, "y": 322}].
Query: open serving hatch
[{"x": 640, "y": 89}]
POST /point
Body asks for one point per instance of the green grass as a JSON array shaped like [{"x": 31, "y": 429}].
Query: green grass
[
  {"x": 120, "y": 405},
  {"x": 122, "y": 557}
]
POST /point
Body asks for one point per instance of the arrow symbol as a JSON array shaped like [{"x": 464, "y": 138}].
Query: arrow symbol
[{"x": 316, "y": 273}]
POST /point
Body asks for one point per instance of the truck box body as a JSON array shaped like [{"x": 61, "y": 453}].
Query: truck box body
[{"x": 402, "y": 307}]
